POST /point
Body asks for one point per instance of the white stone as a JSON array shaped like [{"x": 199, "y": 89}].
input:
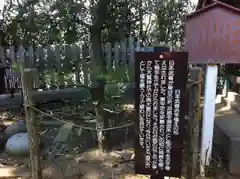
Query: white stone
[{"x": 17, "y": 145}]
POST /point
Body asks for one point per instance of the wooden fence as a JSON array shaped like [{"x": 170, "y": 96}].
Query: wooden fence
[{"x": 63, "y": 65}]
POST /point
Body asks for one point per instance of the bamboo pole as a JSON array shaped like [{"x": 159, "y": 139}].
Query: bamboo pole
[{"x": 30, "y": 117}]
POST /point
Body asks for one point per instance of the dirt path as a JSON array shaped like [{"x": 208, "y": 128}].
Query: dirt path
[{"x": 89, "y": 165}]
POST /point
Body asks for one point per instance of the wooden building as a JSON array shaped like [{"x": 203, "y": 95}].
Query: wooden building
[
  {"x": 203, "y": 3},
  {"x": 232, "y": 70}
]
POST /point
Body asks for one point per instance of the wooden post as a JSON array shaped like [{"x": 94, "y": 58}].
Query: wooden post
[
  {"x": 208, "y": 117},
  {"x": 116, "y": 55},
  {"x": 76, "y": 50},
  {"x": 109, "y": 57},
  {"x": 85, "y": 65},
  {"x": 51, "y": 66},
  {"x": 193, "y": 122},
  {"x": 33, "y": 138}
]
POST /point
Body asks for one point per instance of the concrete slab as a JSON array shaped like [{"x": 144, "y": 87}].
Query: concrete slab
[
  {"x": 227, "y": 136},
  {"x": 227, "y": 132},
  {"x": 229, "y": 123}
]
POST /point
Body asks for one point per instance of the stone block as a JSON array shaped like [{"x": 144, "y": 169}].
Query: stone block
[{"x": 227, "y": 140}]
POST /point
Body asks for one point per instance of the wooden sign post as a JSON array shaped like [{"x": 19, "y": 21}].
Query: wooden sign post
[
  {"x": 161, "y": 80},
  {"x": 212, "y": 37},
  {"x": 208, "y": 116}
]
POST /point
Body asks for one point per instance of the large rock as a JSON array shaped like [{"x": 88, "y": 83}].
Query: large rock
[
  {"x": 18, "y": 127},
  {"x": 227, "y": 139},
  {"x": 63, "y": 133},
  {"x": 17, "y": 145}
]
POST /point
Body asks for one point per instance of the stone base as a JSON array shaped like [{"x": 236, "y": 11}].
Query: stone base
[{"x": 227, "y": 135}]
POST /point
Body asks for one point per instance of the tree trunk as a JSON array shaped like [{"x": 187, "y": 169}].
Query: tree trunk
[
  {"x": 99, "y": 17},
  {"x": 98, "y": 61},
  {"x": 98, "y": 64},
  {"x": 97, "y": 57}
]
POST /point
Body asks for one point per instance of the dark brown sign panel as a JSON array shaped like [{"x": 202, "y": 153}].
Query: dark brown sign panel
[{"x": 161, "y": 80}]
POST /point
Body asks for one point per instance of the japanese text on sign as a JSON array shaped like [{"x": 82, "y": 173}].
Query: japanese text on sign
[{"x": 159, "y": 96}]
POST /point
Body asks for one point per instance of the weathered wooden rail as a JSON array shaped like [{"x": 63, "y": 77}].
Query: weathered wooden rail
[
  {"x": 7, "y": 103},
  {"x": 74, "y": 95}
]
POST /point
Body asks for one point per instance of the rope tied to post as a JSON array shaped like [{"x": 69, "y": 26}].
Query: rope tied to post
[
  {"x": 193, "y": 83},
  {"x": 77, "y": 125}
]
